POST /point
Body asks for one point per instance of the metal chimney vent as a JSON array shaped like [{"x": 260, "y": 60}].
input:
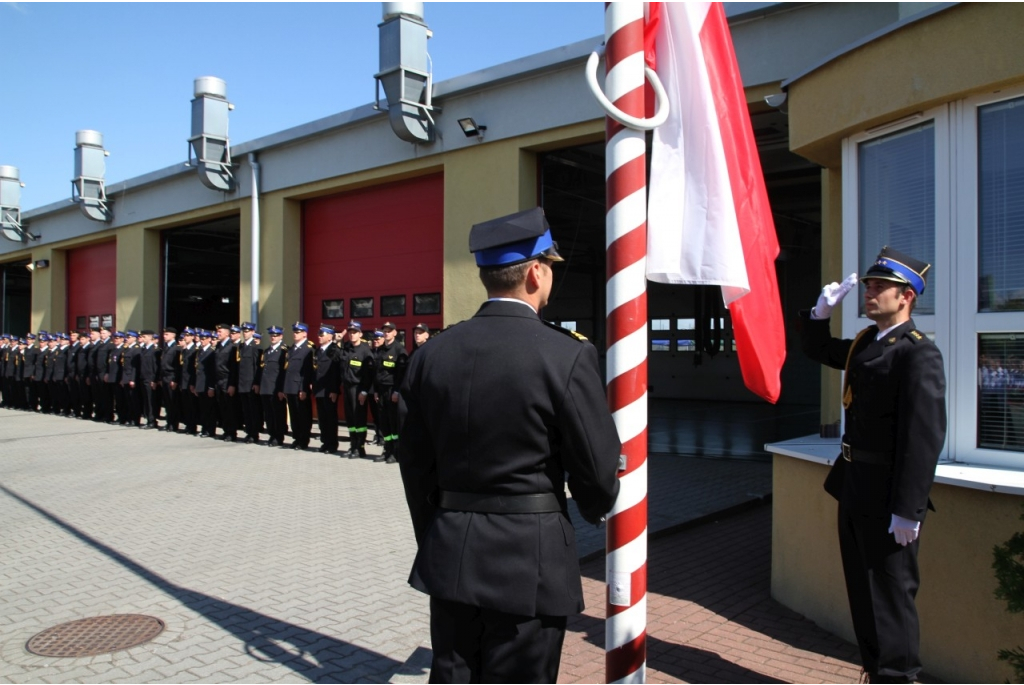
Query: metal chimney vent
[
  {"x": 10, "y": 205},
  {"x": 88, "y": 187},
  {"x": 210, "y": 133},
  {"x": 405, "y": 71}
]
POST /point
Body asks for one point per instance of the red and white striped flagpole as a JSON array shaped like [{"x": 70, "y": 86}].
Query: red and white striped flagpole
[{"x": 626, "y": 327}]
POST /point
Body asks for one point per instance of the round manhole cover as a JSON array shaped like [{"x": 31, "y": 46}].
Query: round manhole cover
[{"x": 96, "y": 635}]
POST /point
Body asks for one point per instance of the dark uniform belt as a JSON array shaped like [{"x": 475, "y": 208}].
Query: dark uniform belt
[
  {"x": 865, "y": 456},
  {"x": 540, "y": 503}
]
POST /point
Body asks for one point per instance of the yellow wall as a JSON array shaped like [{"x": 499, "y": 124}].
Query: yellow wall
[
  {"x": 831, "y": 270},
  {"x": 969, "y": 48},
  {"x": 962, "y": 624}
]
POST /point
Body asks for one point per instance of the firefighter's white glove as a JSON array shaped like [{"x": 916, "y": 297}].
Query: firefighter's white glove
[
  {"x": 831, "y": 295},
  {"x": 904, "y": 530}
]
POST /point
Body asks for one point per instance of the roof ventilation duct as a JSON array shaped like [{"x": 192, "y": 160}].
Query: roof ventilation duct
[
  {"x": 10, "y": 205},
  {"x": 405, "y": 72},
  {"x": 210, "y": 134},
  {"x": 88, "y": 187}
]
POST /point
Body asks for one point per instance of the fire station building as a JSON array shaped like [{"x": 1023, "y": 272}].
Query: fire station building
[{"x": 875, "y": 122}]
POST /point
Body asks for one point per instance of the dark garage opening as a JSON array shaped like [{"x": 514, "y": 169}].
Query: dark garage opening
[
  {"x": 692, "y": 393},
  {"x": 15, "y": 298},
  {"x": 201, "y": 274}
]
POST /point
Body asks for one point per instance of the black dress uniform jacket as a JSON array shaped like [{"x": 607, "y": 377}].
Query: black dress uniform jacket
[
  {"x": 894, "y": 394},
  {"x": 299, "y": 373},
  {"x": 272, "y": 371},
  {"x": 505, "y": 404},
  {"x": 897, "y": 407}
]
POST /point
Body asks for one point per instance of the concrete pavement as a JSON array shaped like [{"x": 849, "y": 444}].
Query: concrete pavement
[{"x": 271, "y": 565}]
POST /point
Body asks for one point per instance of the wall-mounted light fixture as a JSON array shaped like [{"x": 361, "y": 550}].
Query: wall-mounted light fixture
[{"x": 471, "y": 128}]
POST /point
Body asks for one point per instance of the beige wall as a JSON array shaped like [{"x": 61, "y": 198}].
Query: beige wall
[
  {"x": 962, "y": 624},
  {"x": 969, "y": 48}
]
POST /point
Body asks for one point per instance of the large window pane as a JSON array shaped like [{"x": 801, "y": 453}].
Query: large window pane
[
  {"x": 1001, "y": 206},
  {"x": 1001, "y": 391},
  {"x": 897, "y": 200}
]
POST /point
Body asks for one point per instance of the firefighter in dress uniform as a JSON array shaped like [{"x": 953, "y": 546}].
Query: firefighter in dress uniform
[
  {"x": 298, "y": 384},
  {"x": 493, "y": 426},
  {"x": 894, "y": 399},
  {"x": 275, "y": 403}
]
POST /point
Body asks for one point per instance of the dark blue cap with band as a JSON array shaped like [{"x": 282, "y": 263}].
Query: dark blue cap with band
[
  {"x": 355, "y": 325},
  {"x": 326, "y": 329},
  {"x": 892, "y": 265},
  {"x": 513, "y": 239},
  {"x": 275, "y": 330},
  {"x": 248, "y": 326},
  {"x": 299, "y": 326}
]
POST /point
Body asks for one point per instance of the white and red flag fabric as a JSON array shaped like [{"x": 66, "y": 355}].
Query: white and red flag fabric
[{"x": 709, "y": 222}]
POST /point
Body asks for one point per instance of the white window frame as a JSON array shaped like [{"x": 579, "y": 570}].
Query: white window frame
[
  {"x": 956, "y": 324},
  {"x": 936, "y": 325},
  {"x": 968, "y": 321}
]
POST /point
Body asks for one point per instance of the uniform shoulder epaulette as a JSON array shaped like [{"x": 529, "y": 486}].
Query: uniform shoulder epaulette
[
  {"x": 309, "y": 343},
  {"x": 579, "y": 337},
  {"x": 915, "y": 336}
]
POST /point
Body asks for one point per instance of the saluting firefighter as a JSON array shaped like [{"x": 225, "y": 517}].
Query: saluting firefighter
[
  {"x": 298, "y": 384},
  {"x": 894, "y": 396}
]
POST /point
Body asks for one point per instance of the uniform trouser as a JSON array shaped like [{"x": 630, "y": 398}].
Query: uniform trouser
[
  {"x": 228, "y": 407},
  {"x": 474, "y": 645},
  {"x": 388, "y": 415},
  {"x": 301, "y": 412},
  {"x": 172, "y": 400},
  {"x": 250, "y": 402},
  {"x": 327, "y": 422},
  {"x": 133, "y": 404},
  {"x": 207, "y": 408},
  {"x": 355, "y": 415},
  {"x": 74, "y": 396},
  {"x": 45, "y": 405},
  {"x": 59, "y": 398},
  {"x": 882, "y": 579},
  {"x": 85, "y": 397},
  {"x": 150, "y": 404},
  {"x": 275, "y": 412},
  {"x": 189, "y": 405},
  {"x": 104, "y": 399},
  {"x": 118, "y": 408}
]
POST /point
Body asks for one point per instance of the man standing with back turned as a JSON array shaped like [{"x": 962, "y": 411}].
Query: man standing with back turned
[
  {"x": 894, "y": 395},
  {"x": 500, "y": 408}
]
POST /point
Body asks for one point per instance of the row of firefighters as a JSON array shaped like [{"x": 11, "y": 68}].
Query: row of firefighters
[{"x": 222, "y": 378}]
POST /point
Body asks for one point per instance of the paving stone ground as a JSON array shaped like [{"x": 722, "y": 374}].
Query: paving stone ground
[{"x": 271, "y": 565}]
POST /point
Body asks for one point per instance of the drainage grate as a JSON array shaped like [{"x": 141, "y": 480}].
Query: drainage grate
[{"x": 96, "y": 635}]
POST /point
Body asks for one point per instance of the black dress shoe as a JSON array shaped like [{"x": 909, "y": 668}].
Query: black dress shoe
[
  {"x": 249, "y": 441},
  {"x": 297, "y": 446},
  {"x": 379, "y": 458},
  {"x": 391, "y": 459},
  {"x": 273, "y": 443}
]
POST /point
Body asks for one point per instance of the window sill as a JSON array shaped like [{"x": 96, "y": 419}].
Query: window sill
[{"x": 988, "y": 478}]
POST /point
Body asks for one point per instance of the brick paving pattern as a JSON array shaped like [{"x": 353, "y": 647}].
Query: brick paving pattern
[
  {"x": 270, "y": 565},
  {"x": 709, "y": 615}
]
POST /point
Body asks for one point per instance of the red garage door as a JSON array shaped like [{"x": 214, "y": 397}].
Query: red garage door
[
  {"x": 91, "y": 279},
  {"x": 375, "y": 255}
]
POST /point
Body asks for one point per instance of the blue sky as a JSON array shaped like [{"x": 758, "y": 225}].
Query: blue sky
[{"x": 126, "y": 70}]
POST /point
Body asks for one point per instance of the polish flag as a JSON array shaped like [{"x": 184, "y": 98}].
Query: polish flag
[{"x": 709, "y": 222}]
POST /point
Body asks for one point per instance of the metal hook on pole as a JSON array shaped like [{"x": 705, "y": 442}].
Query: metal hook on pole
[{"x": 635, "y": 123}]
